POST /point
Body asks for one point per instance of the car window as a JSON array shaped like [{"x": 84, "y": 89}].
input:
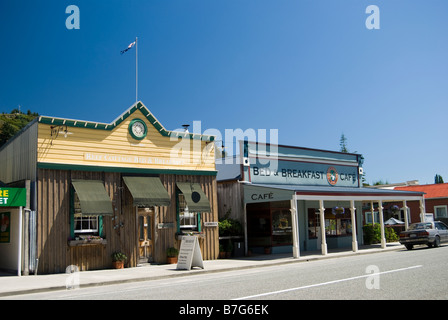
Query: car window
[
  {"x": 416, "y": 226},
  {"x": 440, "y": 226}
]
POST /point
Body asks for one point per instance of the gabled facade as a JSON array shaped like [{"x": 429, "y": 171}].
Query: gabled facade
[{"x": 96, "y": 188}]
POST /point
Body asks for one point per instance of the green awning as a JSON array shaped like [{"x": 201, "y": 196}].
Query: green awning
[
  {"x": 93, "y": 197},
  {"x": 196, "y": 199},
  {"x": 147, "y": 191}
]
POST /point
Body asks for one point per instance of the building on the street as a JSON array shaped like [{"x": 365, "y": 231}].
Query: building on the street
[
  {"x": 96, "y": 188},
  {"x": 291, "y": 199},
  {"x": 436, "y": 201},
  {"x": 435, "y": 196}
]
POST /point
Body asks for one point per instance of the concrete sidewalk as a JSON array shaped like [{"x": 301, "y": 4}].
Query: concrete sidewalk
[{"x": 14, "y": 285}]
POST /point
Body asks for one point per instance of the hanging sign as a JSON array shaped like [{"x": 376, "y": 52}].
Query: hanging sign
[
  {"x": 189, "y": 254},
  {"x": 12, "y": 197}
]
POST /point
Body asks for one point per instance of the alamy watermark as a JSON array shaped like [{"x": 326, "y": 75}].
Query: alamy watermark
[
  {"x": 373, "y": 281},
  {"x": 223, "y": 146}
]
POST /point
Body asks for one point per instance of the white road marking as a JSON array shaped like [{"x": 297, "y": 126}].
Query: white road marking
[{"x": 325, "y": 283}]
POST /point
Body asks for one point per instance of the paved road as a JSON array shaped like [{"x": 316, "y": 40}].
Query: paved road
[{"x": 417, "y": 274}]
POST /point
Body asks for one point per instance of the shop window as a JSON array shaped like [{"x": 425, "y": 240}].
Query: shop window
[
  {"x": 281, "y": 226},
  {"x": 313, "y": 224},
  {"x": 83, "y": 225},
  {"x": 337, "y": 223},
  {"x": 187, "y": 220}
]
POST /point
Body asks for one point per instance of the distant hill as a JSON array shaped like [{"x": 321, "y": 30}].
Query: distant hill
[{"x": 11, "y": 123}]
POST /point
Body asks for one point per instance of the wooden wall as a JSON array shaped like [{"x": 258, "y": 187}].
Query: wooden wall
[
  {"x": 230, "y": 195},
  {"x": 53, "y": 225}
]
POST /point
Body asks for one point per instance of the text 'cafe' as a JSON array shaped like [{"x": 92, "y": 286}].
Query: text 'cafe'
[
  {"x": 97, "y": 188},
  {"x": 293, "y": 199}
]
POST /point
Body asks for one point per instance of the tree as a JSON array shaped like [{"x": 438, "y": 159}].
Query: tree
[
  {"x": 12, "y": 123},
  {"x": 438, "y": 179},
  {"x": 343, "y": 144}
]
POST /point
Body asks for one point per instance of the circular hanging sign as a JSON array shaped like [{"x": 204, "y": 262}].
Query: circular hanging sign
[
  {"x": 138, "y": 129},
  {"x": 195, "y": 196}
]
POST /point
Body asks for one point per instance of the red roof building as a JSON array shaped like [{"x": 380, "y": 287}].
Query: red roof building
[{"x": 436, "y": 200}]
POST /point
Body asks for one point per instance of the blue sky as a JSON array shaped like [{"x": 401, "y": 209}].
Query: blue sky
[{"x": 309, "y": 68}]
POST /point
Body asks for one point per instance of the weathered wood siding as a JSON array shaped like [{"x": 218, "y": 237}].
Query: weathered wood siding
[
  {"x": 53, "y": 226},
  {"x": 230, "y": 200},
  {"x": 18, "y": 156}
]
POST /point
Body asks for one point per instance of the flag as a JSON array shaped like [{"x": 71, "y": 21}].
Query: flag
[{"x": 129, "y": 47}]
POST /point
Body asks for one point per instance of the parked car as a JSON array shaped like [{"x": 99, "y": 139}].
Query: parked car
[{"x": 429, "y": 233}]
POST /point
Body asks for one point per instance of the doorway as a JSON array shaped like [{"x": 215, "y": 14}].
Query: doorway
[{"x": 145, "y": 217}]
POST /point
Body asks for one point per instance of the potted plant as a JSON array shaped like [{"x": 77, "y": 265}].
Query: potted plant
[
  {"x": 118, "y": 259},
  {"x": 171, "y": 255},
  {"x": 222, "y": 253}
]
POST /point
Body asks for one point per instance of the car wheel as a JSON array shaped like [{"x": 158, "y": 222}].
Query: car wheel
[
  {"x": 436, "y": 242},
  {"x": 409, "y": 246}
]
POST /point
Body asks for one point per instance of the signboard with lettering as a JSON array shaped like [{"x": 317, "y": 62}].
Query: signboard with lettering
[
  {"x": 253, "y": 194},
  {"x": 189, "y": 254},
  {"x": 12, "y": 197},
  {"x": 300, "y": 166}
]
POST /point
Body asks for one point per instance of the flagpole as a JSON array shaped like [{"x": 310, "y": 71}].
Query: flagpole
[{"x": 136, "y": 69}]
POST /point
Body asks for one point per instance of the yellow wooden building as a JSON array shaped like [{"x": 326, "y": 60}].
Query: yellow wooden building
[{"x": 96, "y": 188}]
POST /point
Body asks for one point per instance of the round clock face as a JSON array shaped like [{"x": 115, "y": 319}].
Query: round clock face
[{"x": 137, "y": 129}]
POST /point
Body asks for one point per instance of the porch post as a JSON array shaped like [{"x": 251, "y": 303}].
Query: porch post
[
  {"x": 383, "y": 238},
  {"x": 322, "y": 227},
  {"x": 405, "y": 209},
  {"x": 422, "y": 210},
  {"x": 373, "y": 212},
  {"x": 295, "y": 228},
  {"x": 354, "y": 239}
]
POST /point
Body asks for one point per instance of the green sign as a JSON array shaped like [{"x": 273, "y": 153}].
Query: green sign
[{"x": 12, "y": 197}]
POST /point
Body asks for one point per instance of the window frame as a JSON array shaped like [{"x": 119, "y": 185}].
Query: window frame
[
  {"x": 74, "y": 211},
  {"x": 181, "y": 205},
  {"x": 440, "y": 207}
]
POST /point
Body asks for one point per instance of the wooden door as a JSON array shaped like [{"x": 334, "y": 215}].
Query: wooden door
[{"x": 145, "y": 234}]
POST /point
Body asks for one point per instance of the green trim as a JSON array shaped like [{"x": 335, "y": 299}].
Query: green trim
[
  {"x": 59, "y": 166},
  {"x": 145, "y": 132},
  {"x": 110, "y": 126}
]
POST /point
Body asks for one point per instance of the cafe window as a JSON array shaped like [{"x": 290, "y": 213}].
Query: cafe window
[
  {"x": 84, "y": 225},
  {"x": 281, "y": 226},
  {"x": 337, "y": 222},
  {"x": 187, "y": 219}
]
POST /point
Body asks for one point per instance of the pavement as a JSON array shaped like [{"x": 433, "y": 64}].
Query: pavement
[{"x": 15, "y": 285}]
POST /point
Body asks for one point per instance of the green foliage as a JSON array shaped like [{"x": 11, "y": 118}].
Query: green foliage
[
  {"x": 229, "y": 227},
  {"x": 372, "y": 234},
  {"x": 438, "y": 179},
  {"x": 343, "y": 144},
  {"x": 119, "y": 256},
  {"x": 12, "y": 123},
  {"x": 172, "y": 252}
]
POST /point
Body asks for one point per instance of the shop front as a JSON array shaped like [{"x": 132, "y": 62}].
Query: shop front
[
  {"x": 13, "y": 201},
  {"x": 299, "y": 199},
  {"x": 130, "y": 186}
]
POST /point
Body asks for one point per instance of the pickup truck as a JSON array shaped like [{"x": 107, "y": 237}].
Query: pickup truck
[{"x": 431, "y": 233}]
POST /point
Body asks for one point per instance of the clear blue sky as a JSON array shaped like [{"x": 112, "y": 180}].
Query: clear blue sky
[{"x": 309, "y": 68}]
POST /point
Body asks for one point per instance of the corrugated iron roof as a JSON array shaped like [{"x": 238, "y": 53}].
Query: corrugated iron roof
[{"x": 439, "y": 190}]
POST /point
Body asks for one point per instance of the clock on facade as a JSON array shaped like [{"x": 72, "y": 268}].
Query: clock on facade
[{"x": 138, "y": 129}]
